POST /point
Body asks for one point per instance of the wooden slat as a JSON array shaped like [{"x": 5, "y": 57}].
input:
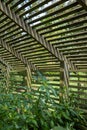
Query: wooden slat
[
  {"x": 66, "y": 20},
  {"x": 15, "y": 53},
  {"x": 49, "y": 14}
]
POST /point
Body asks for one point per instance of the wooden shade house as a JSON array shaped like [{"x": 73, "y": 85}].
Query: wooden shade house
[{"x": 49, "y": 36}]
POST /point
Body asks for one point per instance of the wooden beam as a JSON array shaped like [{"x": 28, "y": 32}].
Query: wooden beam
[
  {"x": 83, "y": 3},
  {"x": 16, "y": 54}
]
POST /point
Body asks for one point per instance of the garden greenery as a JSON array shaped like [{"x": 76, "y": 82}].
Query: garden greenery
[{"x": 37, "y": 109}]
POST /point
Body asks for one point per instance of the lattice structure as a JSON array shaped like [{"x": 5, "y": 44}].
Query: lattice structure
[{"x": 48, "y": 35}]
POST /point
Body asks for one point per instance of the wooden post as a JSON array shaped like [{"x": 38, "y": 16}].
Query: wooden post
[
  {"x": 79, "y": 85},
  {"x": 29, "y": 76},
  {"x": 7, "y": 78},
  {"x": 64, "y": 80},
  {"x": 64, "y": 74}
]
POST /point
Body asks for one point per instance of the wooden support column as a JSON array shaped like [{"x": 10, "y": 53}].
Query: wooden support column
[
  {"x": 64, "y": 80},
  {"x": 29, "y": 76},
  {"x": 79, "y": 85},
  {"x": 7, "y": 78},
  {"x": 64, "y": 74}
]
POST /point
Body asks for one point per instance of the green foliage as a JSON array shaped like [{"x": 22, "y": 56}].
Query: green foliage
[
  {"x": 58, "y": 128},
  {"x": 37, "y": 110}
]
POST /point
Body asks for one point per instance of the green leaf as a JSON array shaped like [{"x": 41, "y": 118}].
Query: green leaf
[{"x": 58, "y": 128}]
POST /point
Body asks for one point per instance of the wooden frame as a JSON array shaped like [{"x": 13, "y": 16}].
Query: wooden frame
[{"x": 28, "y": 29}]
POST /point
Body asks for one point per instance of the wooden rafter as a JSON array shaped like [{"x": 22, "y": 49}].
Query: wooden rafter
[
  {"x": 16, "y": 54},
  {"x": 27, "y": 28}
]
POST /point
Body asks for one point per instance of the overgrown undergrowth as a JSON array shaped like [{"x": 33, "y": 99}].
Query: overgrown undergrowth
[{"x": 37, "y": 110}]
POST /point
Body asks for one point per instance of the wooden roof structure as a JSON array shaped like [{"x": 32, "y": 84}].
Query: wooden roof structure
[
  {"x": 46, "y": 35},
  {"x": 43, "y": 33}
]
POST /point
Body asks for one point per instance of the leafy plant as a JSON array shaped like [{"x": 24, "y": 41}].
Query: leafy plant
[
  {"x": 37, "y": 110},
  {"x": 58, "y": 128}
]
